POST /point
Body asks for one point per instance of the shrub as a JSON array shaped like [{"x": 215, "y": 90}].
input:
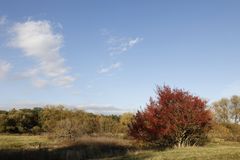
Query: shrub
[
  {"x": 235, "y": 132},
  {"x": 36, "y": 130},
  {"x": 68, "y": 129},
  {"x": 175, "y": 118},
  {"x": 219, "y": 131},
  {"x": 76, "y": 124}
]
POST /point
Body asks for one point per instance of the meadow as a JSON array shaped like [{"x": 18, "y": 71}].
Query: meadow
[
  {"x": 23, "y": 141},
  {"x": 108, "y": 148},
  {"x": 212, "y": 151},
  {"x": 38, "y": 147}
]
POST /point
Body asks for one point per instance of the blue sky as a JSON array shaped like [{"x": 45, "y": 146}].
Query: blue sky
[{"x": 111, "y": 54}]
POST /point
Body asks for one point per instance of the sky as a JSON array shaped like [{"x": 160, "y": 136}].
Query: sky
[{"x": 109, "y": 55}]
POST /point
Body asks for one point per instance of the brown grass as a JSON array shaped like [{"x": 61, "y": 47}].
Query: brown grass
[{"x": 85, "y": 148}]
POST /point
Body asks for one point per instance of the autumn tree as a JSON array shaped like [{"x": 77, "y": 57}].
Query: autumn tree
[
  {"x": 174, "y": 118},
  {"x": 125, "y": 120},
  {"x": 69, "y": 128},
  {"x": 222, "y": 110},
  {"x": 76, "y": 124},
  {"x": 51, "y": 115},
  {"x": 235, "y": 108},
  {"x": 227, "y": 110},
  {"x": 108, "y": 124}
]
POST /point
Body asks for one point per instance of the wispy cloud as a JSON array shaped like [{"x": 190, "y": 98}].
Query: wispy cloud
[
  {"x": 38, "y": 41},
  {"x": 4, "y": 68},
  {"x": 119, "y": 45},
  {"x": 110, "y": 68},
  {"x": 2, "y": 20}
]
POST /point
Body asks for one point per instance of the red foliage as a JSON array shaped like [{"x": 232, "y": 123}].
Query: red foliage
[{"x": 175, "y": 118}]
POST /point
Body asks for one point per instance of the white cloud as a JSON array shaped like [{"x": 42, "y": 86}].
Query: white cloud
[
  {"x": 39, "y": 83},
  {"x": 110, "y": 68},
  {"x": 38, "y": 41},
  {"x": 4, "y": 68},
  {"x": 102, "y": 109},
  {"x": 119, "y": 45},
  {"x": 2, "y": 20},
  {"x": 132, "y": 42}
]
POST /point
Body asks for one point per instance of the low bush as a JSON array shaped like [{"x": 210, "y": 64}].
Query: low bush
[{"x": 225, "y": 131}]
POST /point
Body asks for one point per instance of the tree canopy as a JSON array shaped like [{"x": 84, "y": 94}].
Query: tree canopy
[{"x": 175, "y": 117}]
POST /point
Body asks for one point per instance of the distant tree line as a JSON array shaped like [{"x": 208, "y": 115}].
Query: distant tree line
[
  {"x": 20, "y": 121},
  {"x": 62, "y": 122}
]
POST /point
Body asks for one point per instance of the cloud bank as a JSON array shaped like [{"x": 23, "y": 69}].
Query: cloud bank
[{"x": 38, "y": 41}]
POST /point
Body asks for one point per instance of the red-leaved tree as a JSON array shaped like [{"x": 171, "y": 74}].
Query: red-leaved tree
[{"x": 174, "y": 118}]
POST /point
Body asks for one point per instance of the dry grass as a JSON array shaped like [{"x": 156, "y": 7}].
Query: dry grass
[
  {"x": 213, "y": 151},
  {"x": 104, "y": 140},
  {"x": 27, "y": 147},
  {"x": 24, "y": 142},
  {"x": 108, "y": 148},
  {"x": 42, "y": 141}
]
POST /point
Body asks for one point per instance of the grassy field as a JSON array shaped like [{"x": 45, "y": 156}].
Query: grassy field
[
  {"x": 101, "y": 147},
  {"x": 24, "y": 147},
  {"x": 23, "y": 142},
  {"x": 212, "y": 151}
]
